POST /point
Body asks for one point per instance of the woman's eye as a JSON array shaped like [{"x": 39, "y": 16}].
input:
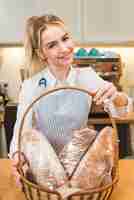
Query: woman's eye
[
  {"x": 66, "y": 38},
  {"x": 51, "y": 46}
]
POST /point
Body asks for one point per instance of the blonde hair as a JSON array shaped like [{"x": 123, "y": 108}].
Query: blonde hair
[{"x": 32, "y": 43}]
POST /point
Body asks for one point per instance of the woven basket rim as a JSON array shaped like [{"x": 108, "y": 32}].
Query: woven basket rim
[{"x": 87, "y": 191}]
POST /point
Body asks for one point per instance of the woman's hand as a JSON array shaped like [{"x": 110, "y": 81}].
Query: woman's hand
[
  {"x": 15, "y": 164},
  {"x": 104, "y": 93}
]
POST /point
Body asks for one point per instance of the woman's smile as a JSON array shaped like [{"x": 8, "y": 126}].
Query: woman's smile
[{"x": 58, "y": 46}]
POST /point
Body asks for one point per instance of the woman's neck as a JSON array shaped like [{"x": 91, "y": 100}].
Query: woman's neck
[{"x": 60, "y": 73}]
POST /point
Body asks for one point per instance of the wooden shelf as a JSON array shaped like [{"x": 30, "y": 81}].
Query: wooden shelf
[
  {"x": 109, "y": 68},
  {"x": 95, "y": 59}
]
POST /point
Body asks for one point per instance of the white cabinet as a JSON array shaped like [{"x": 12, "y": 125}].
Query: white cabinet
[
  {"x": 108, "y": 21},
  {"x": 89, "y": 21},
  {"x": 96, "y": 20},
  {"x": 13, "y": 15}
]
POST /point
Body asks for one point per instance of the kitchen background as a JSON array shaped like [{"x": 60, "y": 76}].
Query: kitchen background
[
  {"x": 12, "y": 62},
  {"x": 99, "y": 26},
  {"x": 104, "y": 25}
]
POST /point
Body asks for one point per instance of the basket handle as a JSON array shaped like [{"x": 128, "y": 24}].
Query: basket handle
[{"x": 45, "y": 94}]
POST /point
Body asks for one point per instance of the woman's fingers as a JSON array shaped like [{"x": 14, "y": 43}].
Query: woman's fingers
[
  {"x": 101, "y": 91},
  {"x": 108, "y": 94},
  {"x": 104, "y": 93},
  {"x": 16, "y": 176},
  {"x": 25, "y": 169},
  {"x": 15, "y": 165}
]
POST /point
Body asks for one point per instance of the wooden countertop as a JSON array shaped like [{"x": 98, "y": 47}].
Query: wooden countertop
[
  {"x": 129, "y": 118},
  {"x": 8, "y": 189},
  {"x": 123, "y": 191}
]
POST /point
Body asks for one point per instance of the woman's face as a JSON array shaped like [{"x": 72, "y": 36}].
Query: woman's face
[{"x": 57, "y": 46}]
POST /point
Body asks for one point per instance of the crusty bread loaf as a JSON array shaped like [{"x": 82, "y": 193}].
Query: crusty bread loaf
[
  {"x": 96, "y": 166},
  {"x": 73, "y": 151},
  {"x": 120, "y": 100},
  {"x": 45, "y": 166}
]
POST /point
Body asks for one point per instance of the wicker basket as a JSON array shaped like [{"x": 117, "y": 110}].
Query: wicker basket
[{"x": 35, "y": 192}]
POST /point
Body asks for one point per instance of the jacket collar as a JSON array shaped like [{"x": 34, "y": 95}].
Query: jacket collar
[{"x": 51, "y": 81}]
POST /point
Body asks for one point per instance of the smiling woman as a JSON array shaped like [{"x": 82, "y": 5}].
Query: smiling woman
[
  {"x": 49, "y": 51},
  {"x": 43, "y": 36}
]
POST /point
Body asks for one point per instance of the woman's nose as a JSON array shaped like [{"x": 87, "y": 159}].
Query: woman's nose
[{"x": 63, "y": 47}]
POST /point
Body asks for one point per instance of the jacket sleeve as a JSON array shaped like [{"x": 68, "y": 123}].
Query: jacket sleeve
[
  {"x": 89, "y": 79},
  {"x": 25, "y": 98}
]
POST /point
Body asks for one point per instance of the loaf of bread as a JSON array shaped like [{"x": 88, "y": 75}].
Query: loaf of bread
[
  {"x": 120, "y": 100},
  {"x": 45, "y": 167},
  {"x": 96, "y": 166},
  {"x": 73, "y": 152}
]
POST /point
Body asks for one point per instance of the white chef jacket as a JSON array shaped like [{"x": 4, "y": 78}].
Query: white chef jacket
[{"x": 58, "y": 114}]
